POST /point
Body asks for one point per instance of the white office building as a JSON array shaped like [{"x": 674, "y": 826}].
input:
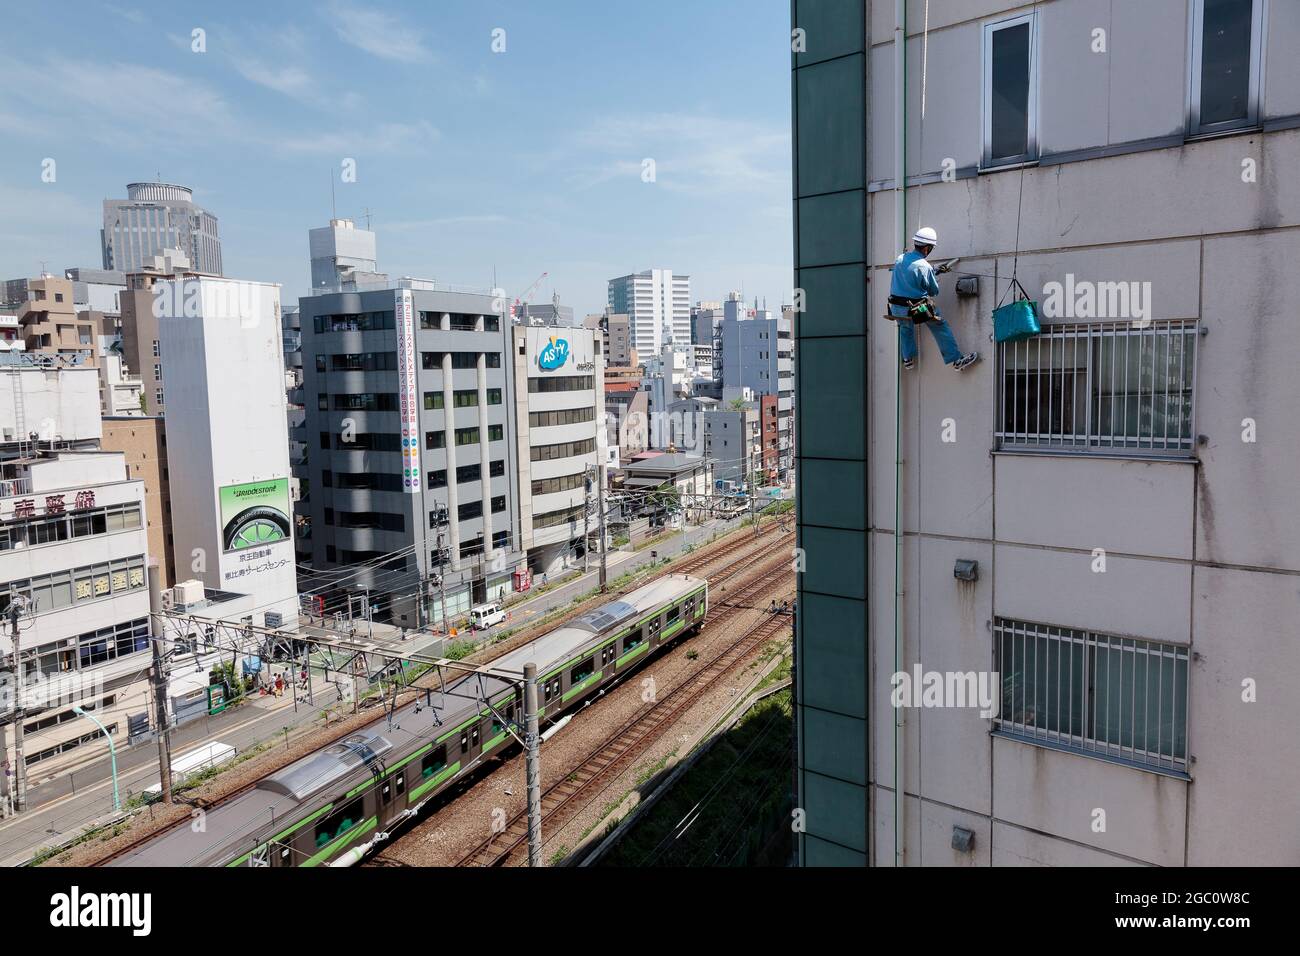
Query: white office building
[
  {"x": 73, "y": 550},
  {"x": 342, "y": 256},
  {"x": 228, "y": 450},
  {"x": 560, "y": 416},
  {"x": 657, "y": 303}
]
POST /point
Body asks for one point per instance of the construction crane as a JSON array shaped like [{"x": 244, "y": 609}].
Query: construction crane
[{"x": 522, "y": 301}]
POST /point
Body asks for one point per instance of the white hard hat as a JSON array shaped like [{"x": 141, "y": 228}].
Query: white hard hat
[{"x": 926, "y": 236}]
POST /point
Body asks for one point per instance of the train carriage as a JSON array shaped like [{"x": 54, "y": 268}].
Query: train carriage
[{"x": 332, "y": 806}]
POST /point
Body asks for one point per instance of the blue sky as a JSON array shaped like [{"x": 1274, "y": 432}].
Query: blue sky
[{"x": 528, "y": 161}]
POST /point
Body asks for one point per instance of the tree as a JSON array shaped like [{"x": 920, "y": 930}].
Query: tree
[
  {"x": 666, "y": 498},
  {"x": 738, "y": 404}
]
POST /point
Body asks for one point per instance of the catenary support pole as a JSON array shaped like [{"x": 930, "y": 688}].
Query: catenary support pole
[
  {"x": 158, "y": 678},
  {"x": 20, "y": 712},
  {"x": 604, "y": 543},
  {"x": 900, "y": 213},
  {"x": 533, "y": 766}
]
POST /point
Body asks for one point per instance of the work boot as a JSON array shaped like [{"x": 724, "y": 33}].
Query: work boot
[
  {"x": 966, "y": 361},
  {"x": 909, "y": 363}
]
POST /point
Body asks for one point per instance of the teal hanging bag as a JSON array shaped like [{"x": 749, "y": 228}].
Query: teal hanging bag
[{"x": 1018, "y": 319}]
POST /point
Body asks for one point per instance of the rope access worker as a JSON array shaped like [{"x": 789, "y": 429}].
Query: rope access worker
[{"x": 911, "y": 292}]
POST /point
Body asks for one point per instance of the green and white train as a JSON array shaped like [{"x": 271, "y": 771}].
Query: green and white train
[{"x": 333, "y": 806}]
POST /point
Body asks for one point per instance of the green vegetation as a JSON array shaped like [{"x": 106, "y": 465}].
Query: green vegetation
[
  {"x": 741, "y": 789},
  {"x": 459, "y": 650}
]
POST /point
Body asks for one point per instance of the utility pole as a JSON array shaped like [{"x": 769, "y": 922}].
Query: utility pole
[
  {"x": 16, "y": 604},
  {"x": 533, "y": 768},
  {"x": 158, "y": 677},
  {"x": 586, "y": 518},
  {"x": 442, "y": 518}
]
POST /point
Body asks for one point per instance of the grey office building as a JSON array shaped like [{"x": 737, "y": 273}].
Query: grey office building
[
  {"x": 409, "y": 449},
  {"x": 157, "y": 216}
]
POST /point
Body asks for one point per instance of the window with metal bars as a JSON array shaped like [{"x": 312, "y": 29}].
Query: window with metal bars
[
  {"x": 1118, "y": 698},
  {"x": 1100, "y": 388}
]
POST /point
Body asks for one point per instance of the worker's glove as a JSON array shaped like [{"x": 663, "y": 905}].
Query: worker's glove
[{"x": 943, "y": 268}]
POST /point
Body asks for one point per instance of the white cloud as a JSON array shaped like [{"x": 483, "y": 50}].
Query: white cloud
[
  {"x": 377, "y": 33},
  {"x": 153, "y": 111},
  {"x": 408, "y": 225},
  {"x": 289, "y": 80},
  {"x": 127, "y": 13},
  {"x": 693, "y": 153}
]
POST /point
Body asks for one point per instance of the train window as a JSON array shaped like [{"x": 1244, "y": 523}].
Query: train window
[
  {"x": 632, "y": 640},
  {"x": 469, "y": 739},
  {"x": 400, "y": 783},
  {"x": 386, "y": 792},
  {"x": 338, "y": 823},
  {"x": 284, "y": 855},
  {"x": 674, "y": 613},
  {"x": 582, "y": 672},
  {"x": 434, "y": 761}
]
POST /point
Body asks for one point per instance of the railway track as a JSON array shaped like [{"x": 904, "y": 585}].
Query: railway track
[
  {"x": 626, "y": 744},
  {"x": 774, "y": 540}
]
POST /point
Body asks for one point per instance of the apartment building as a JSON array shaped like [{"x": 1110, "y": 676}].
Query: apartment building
[
  {"x": 621, "y": 350},
  {"x": 757, "y": 350},
  {"x": 410, "y": 417},
  {"x": 657, "y": 303},
  {"x": 1101, "y": 520},
  {"x": 560, "y": 433},
  {"x": 50, "y": 323}
]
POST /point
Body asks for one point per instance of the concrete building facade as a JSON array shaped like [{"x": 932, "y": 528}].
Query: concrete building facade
[
  {"x": 73, "y": 552},
  {"x": 757, "y": 353},
  {"x": 142, "y": 440},
  {"x": 342, "y": 256},
  {"x": 561, "y": 438},
  {"x": 1136, "y": 546},
  {"x": 227, "y": 445},
  {"x": 409, "y": 406},
  {"x": 141, "y": 342}
]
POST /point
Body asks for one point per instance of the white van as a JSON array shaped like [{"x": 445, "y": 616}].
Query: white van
[{"x": 485, "y": 615}]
